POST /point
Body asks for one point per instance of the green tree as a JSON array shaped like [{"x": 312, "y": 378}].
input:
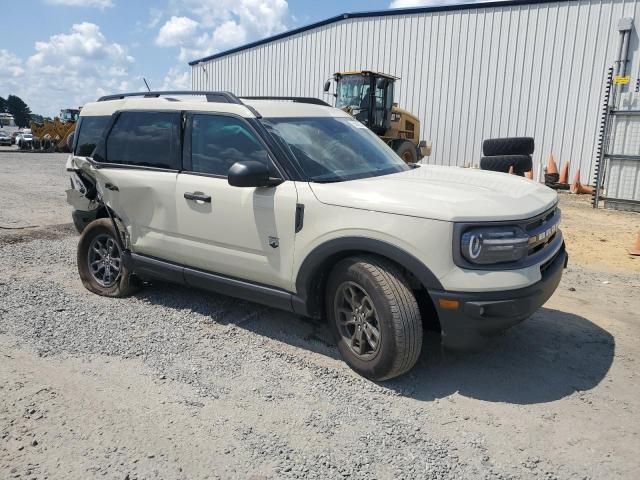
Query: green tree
[
  {"x": 3, "y": 105},
  {"x": 20, "y": 110}
]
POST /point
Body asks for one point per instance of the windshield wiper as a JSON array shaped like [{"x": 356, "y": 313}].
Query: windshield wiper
[{"x": 328, "y": 180}]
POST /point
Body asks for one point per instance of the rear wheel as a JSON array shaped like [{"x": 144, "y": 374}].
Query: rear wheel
[
  {"x": 100, "y": 261},
  {"x": 407, "y": 151},
  {"x": 374, "y": 317}
]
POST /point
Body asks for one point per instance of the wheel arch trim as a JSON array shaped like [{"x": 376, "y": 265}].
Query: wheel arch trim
[{"x": 306, "y": 300}]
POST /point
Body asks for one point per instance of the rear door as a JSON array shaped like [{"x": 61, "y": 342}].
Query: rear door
[
  {"x": 246, "y": 233},
  {"x": 137, "y": 170}
]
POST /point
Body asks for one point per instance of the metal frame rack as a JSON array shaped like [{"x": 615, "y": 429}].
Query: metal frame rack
[{"x": 613, "y": 113}]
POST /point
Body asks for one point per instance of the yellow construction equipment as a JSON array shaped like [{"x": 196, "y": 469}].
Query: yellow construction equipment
[
  {"x": 368, "y": 96},
  {"x": 56, "y": 135}
]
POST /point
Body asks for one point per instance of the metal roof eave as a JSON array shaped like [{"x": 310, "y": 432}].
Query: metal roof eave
[{"x": 377, "y": 13}]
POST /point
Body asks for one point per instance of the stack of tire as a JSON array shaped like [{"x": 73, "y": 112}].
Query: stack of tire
[{"x": 502, "y": 154}]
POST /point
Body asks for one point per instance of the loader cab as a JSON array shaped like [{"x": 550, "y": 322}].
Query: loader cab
[
  {"x": 366, "y": 95},
  {"x": 69, "y": 115}
]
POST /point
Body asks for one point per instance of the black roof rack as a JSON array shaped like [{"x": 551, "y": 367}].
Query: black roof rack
[
  {"x": 216, "y": 97},
  {"x": 311, "y": 100}
]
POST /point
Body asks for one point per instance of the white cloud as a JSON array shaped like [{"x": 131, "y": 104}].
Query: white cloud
[
  {"x": 101, "y": 4},
  {"x": 220, "y": 24},
  {"x": 229, "y": 33},
  {"x": 177, "y": 31},
  {"x": 67, "y": 70},
  {"x": 426, "y": 3},
  {"x": 10, "y": 65},
  {"x": 84, "y": 44},
  {"x": 177, "y": 78}
]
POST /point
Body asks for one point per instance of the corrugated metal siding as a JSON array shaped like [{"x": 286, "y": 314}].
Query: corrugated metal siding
[{"x": 536, "y": 70}]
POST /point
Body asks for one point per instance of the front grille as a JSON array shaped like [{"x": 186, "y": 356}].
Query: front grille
[
  {"x": 410, "y": 128},
  {"x": 542, "y": 230}
]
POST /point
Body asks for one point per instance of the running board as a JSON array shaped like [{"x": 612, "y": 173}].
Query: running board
[{"x": 154, "y": 268}]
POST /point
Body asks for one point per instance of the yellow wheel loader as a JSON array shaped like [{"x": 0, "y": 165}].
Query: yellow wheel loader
[
  {"x": 56, "y": 136},
  {"x": 368, "y": 96}
]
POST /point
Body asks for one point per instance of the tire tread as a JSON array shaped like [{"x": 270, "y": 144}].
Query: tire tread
[
  {"x": 406, "y": 319},
  {"x": 508, "y": 146}
]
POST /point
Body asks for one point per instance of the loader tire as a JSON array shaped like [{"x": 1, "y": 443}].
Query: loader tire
[{"x": 406, "y": 151}]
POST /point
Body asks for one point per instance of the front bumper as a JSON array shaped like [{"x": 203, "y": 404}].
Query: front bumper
[{"x": 480, "y": 315}]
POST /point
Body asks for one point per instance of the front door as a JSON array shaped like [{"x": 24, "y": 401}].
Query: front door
[{"x": 247, "y": 233}]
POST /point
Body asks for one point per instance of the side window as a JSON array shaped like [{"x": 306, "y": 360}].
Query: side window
[
  {"x": 217, "y": 142},
  {"x": 91, "y": 130},
  {"x": 147, "y": 139}
]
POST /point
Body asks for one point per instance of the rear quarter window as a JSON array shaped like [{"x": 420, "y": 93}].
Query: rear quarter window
[{"x": 91, "y": 131}]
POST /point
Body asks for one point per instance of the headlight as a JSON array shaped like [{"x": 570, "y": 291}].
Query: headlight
[{"x": 489, "y": 245}]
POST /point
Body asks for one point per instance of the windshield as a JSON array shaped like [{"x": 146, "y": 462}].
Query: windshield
[
  {"x": 69, "y": 115},
  {"x": 353, "y": 91},
  {"x": 335, "y": 149}
]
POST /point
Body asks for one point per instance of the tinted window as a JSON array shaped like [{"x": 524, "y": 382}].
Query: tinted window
[
  {"x": 148, "y": 139},
  {"x": 217, "y": 142},
  {"x": 91, "y": 129}
]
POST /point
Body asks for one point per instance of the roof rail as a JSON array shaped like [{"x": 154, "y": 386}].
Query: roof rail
[
  {"x": 216, "y": 97},
  {"x": 311, "y": 100}
]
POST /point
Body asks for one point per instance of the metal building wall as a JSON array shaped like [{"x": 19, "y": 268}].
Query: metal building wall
[{"x": 536, "y": 69}]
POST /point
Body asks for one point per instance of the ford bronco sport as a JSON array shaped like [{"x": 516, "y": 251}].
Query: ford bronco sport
[{"x": 294, "y": 204}]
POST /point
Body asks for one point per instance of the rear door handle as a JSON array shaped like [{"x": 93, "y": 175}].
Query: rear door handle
[
  {"x": 111, "y": 186},
  {"x": 197, "y": 197}
]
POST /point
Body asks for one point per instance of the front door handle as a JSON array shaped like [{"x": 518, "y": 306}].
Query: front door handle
[
  {"x": 111, "y": 186},
  {"x": 197, "y": 197}
]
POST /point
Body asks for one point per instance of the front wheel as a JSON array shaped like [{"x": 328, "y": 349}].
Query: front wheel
[
  {"x": 374, "y": 317},
  {"x": 407, "y": 151},
  {"x": 100, "y": 261}
]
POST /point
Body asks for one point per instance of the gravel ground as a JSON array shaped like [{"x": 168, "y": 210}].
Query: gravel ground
[{"x": 176, "y": 383}]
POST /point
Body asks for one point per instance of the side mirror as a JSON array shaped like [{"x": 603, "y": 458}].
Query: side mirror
[
  {"x": 327, "y": 85},
  {"x": 250, "y": 174}
]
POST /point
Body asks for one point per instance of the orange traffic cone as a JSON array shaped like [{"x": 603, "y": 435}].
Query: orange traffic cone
[
  {"x": 635, "y": 250},
  {"x": 552, "y": 167},
  {"x": 564, "y": 174},
  {"x": 576, "y": 183},
  {"x": 577, "y": 187},
  {"x": 529, "y": 174}
]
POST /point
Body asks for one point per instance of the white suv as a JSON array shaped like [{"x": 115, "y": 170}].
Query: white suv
[{"x": 294, "y": 204}]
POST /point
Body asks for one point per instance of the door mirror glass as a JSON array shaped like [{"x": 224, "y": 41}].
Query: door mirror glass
[
  {"x": 249, "y": 173},
  {"x": 327, "y": 85}
]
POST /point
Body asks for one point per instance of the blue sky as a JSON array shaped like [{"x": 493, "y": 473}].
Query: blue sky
[{"x": 62, "y": 53}]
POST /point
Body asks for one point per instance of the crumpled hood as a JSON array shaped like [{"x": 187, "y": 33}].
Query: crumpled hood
[{"x": 442, "y": 193}]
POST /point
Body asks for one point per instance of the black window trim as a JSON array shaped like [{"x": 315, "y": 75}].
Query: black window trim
[
  {"x": 109, "y": 127},
  {"x": 186, "y": 145},
  {"x": 78, "y": 129},
  {"x": 76, "y": 134}
]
